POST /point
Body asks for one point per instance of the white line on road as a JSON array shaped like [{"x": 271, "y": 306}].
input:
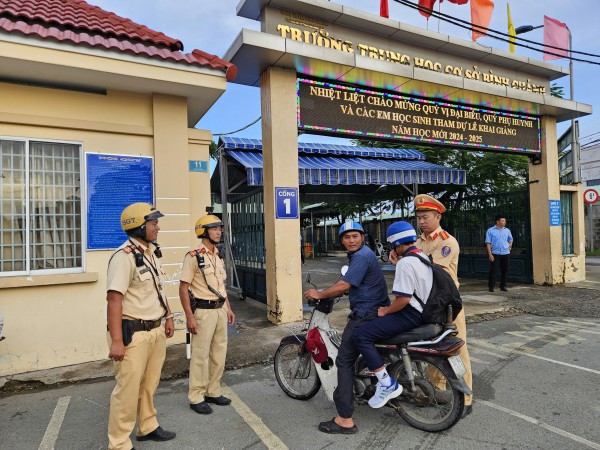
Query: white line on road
[
  {"x": 268, "y": 438},
  {"x": 580, "y": 322},
  {"x": 564, "y": 433},
  {"x": 478, "y": 361},
  {"x": 487, "y": 352},
  {"x": 567, "y": 327},
  {"x": 518, "y": 352},
  {"x": 56, "y": 421}
]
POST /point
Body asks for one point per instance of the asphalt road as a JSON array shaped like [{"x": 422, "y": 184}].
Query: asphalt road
[{"x": 536, "y": 380}]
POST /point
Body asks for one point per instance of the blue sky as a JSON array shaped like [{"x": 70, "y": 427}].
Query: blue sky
[{"x": 213, "y": 25}]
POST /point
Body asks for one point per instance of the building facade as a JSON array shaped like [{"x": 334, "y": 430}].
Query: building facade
[{"x": 96, "y": 111}]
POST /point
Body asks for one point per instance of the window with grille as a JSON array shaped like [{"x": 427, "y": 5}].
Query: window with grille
[
  {"x": 40, "y": 207},
  {"x": 566, "y": 213}
]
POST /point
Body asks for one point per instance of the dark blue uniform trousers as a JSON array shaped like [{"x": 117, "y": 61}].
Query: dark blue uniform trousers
[
  {"x": 384, "y": 327},
  {"x": 343, "y": 396}
]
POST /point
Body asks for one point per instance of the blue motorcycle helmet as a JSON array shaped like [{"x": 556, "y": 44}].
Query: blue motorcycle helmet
[
  {"x": 350, "y": 225},
  {"x": 400, "y": 233}
]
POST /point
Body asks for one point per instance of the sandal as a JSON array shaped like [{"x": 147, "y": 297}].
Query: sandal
[{"x": 332, "y": 427}]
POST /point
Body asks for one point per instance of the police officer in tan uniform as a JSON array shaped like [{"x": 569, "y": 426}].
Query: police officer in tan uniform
[
  {"x": 444, "y": 250},
  {"x": 204, "y": 299},
  {"x": 137, "y": 339}
]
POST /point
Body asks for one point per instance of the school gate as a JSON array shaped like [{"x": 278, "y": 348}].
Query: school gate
[{"x": 327, "y": 69}]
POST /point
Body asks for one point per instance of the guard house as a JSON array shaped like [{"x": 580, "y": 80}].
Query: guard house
[
  {"x": 97, "y": 112},
  {"x": 326, "y": 172},
  {"x": 329, "y": 69}
]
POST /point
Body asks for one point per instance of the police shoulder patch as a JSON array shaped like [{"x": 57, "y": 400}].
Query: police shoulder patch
[
  {"x": 444, "y": 235},
  {"x": 129, "y": 249},
  {"x": 446, "y": 250}
]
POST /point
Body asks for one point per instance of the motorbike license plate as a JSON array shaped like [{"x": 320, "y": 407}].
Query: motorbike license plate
[{"x": 458, "y": 366}]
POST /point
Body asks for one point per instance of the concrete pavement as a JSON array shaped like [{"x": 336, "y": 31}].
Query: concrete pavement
[{"x": 253, "y": 339}]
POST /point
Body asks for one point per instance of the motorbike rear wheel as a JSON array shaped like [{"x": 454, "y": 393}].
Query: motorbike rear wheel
[
  {"x": 385, "y": 257},
  {"x": 434, "y": 405},
  {"x": 295, "y": 372}
]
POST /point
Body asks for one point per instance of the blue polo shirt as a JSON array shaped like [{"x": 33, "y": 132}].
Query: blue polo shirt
[
  {"x": 368, "y": 289},
  {"x": 498, "y": 238}
]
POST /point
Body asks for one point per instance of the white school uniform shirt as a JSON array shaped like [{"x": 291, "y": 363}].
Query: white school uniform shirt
[{"x": 413, "y": 276}]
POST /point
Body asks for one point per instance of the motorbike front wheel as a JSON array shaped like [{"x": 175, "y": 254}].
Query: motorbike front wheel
[
  {"x": 296, "y": 372},
  {"x": 385, "y": 257},
  {"x": 434, "y": 405}
]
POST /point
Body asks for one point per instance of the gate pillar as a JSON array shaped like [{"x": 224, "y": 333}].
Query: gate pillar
[
  {"x": 280, "y": 169},
  {"x": 550, "y": 266}
]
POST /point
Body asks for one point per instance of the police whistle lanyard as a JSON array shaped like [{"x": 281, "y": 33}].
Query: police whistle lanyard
[{"x": 154, "y": 273}]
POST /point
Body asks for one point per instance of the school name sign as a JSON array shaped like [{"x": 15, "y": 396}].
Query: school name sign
[{"x": 340, "y": 110}]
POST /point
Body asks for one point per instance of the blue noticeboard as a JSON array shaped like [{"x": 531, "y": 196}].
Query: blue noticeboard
[
  {"x": 555, "y": 215},
  {"x": 113, "y": 183},
  {"x": 286, "y": 203}
]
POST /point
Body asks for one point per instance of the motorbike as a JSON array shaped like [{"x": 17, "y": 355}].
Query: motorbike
[
  {"x": 423, "y": 360},
  {"x": 381, "y": 251}
]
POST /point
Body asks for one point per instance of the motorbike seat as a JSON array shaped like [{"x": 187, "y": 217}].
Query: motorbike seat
[{"x": 425, "y": 331}]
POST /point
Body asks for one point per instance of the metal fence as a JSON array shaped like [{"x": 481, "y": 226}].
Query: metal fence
[{"x": 468, "y": 219}]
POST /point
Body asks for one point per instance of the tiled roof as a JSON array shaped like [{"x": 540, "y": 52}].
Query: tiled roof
[{"x": 79, "y": 23}]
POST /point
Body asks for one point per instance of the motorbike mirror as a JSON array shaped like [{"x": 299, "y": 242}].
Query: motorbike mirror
[
  {"x": 308, "y": 281},
  {"x": 344, "y": 270}
]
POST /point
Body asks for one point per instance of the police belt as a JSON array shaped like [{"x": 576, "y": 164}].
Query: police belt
[
  {"x": 206, "y": 304},
  {"x": 144, "y": 325},
  {"x": 141, "y": 325}
]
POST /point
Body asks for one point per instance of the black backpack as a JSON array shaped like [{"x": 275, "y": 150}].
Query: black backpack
[{"x": 443, "y": 293}]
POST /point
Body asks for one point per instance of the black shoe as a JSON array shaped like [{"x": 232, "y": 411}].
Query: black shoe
[
  {"x": 201, "y": 408},
  {"x": 504, "y": 289},
  {"x": 157, "y": 435},
  {"x": 491, "y": 290},
  {"x": 468, "y": 410},
  {"x": 220, "y": 400}
]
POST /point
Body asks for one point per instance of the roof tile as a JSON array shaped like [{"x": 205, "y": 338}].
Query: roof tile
[{"x": 79, "y": 23}]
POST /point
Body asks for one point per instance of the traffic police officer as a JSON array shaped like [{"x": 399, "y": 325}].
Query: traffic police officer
[
  {"x": 204, "y": 299},
  {"x": 136, "y": 305},
  {"x": 444, "y": 250}
]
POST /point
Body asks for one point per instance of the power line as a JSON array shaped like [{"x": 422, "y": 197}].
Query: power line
[
  {"x": 470, "y": 26},
  {"x": 237, "y": 131}
]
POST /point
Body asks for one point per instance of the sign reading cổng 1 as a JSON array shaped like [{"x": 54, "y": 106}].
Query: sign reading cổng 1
[{"x": 334, "y": 109}]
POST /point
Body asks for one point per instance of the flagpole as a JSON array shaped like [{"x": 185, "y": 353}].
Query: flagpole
[{"x": 574, "y": 131}]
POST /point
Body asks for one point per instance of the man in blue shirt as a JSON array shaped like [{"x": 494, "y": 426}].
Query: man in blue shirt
[
  {"x": 498, "y": 241},
  {"x": 367, "y": 292}
]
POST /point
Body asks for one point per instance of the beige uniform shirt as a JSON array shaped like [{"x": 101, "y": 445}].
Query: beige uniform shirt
[
  {"x": 137, "y": 284},
  {"x": 444, "y": 250},
  {"x": 214, "y": 270}
]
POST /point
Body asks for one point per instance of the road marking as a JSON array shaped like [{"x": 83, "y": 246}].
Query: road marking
[
  {"x": 567, "y": 327},
  {"x": 580, "y": 322},
  {"x": 56, "y": 421},
  {"x": 546, "y": 426},
  {"x": 518, "y": 352},
  {"x": 478, "y": 361},
  {"x": 268, "y": 438},
  {"x": 487, "y": 352}
]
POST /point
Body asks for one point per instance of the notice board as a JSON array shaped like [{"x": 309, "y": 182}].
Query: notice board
[{"x": 113, "y": 183}]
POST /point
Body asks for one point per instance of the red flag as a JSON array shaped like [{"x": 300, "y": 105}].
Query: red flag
[
  {"x": 556, "y": 34},
  {"x": 384, "y": 10},
  {"x": 481, "y": 14},
  {"x": 426, "y": 4},
  {"x": 459, "y": 2}
]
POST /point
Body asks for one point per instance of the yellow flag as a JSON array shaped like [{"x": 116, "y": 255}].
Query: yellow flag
[{"x": 511, "y": 30}]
